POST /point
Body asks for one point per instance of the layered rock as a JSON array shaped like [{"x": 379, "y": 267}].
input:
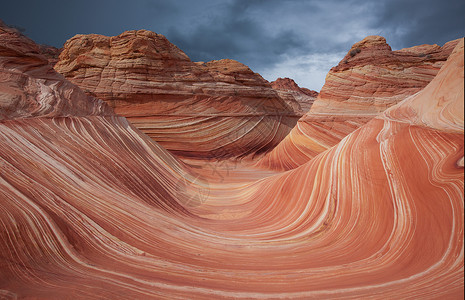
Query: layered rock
[
  {"x": 368, "y": 80},
  {"x": 291, "y": 93},
  {"x": 163, "y": 93},
  {"x": 29, "y": 87},
  {"x": 372, "y": 77},
  {"x": 51, "y": 53},
  {"x": 91, "y": 208}
]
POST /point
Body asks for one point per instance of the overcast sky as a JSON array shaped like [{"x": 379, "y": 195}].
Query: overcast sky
[{"x": 300, "y": 39}]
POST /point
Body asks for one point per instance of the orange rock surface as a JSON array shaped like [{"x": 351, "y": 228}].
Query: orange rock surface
[
  {"x": 91, "y": 208},
  {"x": 369, "y": 79},
  {"x": 230, "y": 110}
]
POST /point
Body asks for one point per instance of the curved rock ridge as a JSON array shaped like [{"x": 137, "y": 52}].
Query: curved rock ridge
[
  {"x": 368, "y": 80},
  {"x": 29, "y": 87},
  {"x": 91, "y": 208},
  {"x": 372, "y": 77},
  {"x": 291, "y": 93},
  {"x": 231, "y": 110},
  {"x": 440, "y": 105}
]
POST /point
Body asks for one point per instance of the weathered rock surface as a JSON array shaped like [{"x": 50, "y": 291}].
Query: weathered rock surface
[
  {"x": 372, "y": 77},
  {"x": 230, "y": 110},
  {"x": 289, "y": 91},
  {"x": 29, "y": 87},
  {"x": 368, "y": 80},
  {"x": 91, "y": 208},
  {"x": 51, "y": 53}
]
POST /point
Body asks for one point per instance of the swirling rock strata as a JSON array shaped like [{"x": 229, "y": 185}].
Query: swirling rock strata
[
  {"x": 368, "y": 80},
  {"x": 91, "y": 208},
  {"x": 230, "y": 110}
]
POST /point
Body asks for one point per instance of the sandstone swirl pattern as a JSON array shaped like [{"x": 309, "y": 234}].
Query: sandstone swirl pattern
[
  {"x": 194, "y": 109},
  {"x": 93, "y": 209},
  {"x": 368, "y": 80}
]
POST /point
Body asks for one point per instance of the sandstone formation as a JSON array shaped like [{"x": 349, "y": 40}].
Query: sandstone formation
[
  {"x": 369, "y": 79},
  {"x": 51, "y": 53},
  {"x": 230, "y": 110},
  {"x": 289, "y": 91},
  {"x": 29, "y": 87},
  {"x": 91, "y": 208}
]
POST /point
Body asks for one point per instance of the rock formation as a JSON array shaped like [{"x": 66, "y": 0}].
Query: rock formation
[
  {"x": 91, "y": 208},
  {"x": 162, "y": 92},
  {"x": 289, "y": 91},
  {"x": 369, "y": 79},
  {"x": 31, "y": 88}
]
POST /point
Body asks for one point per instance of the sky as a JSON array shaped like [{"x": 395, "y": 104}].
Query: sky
[{"x": 299, "y": 39}]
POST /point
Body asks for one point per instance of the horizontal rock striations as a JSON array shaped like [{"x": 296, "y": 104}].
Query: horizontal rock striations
[
  {"x": 368, "y": 80},
  {"x": 230, "y": 110}
]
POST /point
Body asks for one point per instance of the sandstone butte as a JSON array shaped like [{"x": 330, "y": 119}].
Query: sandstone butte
[
  {"x": 368, "y": 80},
  {"x": 92, "y": 208},
  {"x": 194, "y": 109}
]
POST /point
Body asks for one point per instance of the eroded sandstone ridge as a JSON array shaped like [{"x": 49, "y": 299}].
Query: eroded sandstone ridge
[
  {"x": 29, "y": 87},
  {"x": 368, "y": 80},
  {"x": 230, "y": 110},
  {"x": 291, "y": 93},
  {"x": 91, "y": 208}
]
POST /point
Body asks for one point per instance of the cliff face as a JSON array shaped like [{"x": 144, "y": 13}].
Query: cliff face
[
  {"x": 163, "y": 93},
  {"x": 367, "y": 81}
]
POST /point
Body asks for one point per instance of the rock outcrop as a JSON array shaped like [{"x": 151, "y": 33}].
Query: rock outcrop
[
  {"x": 289, "y": 91},
  {"x": 29, "y": 87},
  {"x": 372, "y": 77},
  {"x": 368, "y": 80},
  {"x": 163, "y": 93}
]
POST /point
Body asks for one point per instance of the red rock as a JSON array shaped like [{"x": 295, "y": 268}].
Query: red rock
[
  {"x": 29, "y": 87},
  {"x": 368, "y": 80},
  {"x": 291, "y": 93},
  {"x": 51, "y": 53},
  {"x": 163, "y": 93},
  {"x": 93, "y": 208}
]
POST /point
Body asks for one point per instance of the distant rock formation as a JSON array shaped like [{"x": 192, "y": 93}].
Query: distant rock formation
[
  {"x": 372, "y": 77},
  {"x": 368, "y": 80},
  {"x": 233, "y": 111},
  {"x": 51, "y": 53},
  {"x": 291, "y": 92}
]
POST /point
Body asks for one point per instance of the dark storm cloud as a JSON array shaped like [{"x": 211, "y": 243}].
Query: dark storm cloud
[
  {"x": 415, "y": 22},
  {"x": 231, "y": 31},
  {"x": 54, "y": 21},
  {"x": 301, "y": 39}
]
